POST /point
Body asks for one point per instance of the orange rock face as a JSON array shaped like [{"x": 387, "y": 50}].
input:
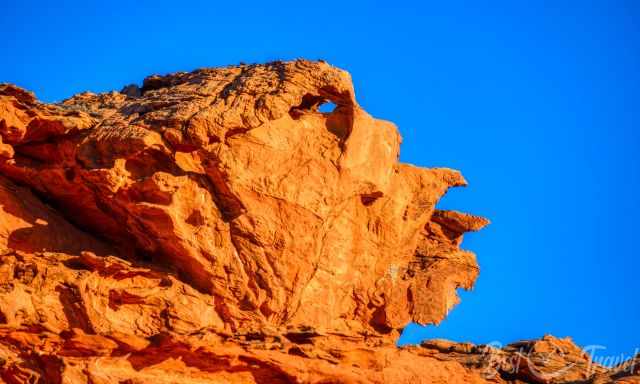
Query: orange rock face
[{"x": 215, "y": 227}]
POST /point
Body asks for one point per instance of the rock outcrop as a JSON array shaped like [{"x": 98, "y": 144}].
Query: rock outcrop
[{"x": 216, "y": 227}]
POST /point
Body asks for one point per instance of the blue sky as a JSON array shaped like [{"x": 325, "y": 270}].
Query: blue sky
[{"x": 537, "y": 103}]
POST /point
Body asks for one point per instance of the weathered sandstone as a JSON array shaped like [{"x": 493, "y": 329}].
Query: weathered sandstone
[{"x": 215, "y": 227}]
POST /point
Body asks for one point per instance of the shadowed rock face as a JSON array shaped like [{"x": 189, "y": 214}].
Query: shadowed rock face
[{"x": 214, "y": 226}]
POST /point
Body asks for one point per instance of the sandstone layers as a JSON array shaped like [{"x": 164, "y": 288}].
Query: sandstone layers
[{"x": 215, "y": 227}]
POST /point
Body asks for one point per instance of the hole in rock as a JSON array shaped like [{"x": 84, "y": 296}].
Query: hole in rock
[
  {"x": 254, "y": 336},
  {"x": 370, "y": 198},
  {"x": 313, "y": 103},
  {"x": 69, "y": 174},
  {"x": 327, "y": 107},
  {"x": 378, "y": 321},
  {"x": 310, "y": 102},
  {"x": 300, "y": 337},
  {"x": 296, "y": 351}
]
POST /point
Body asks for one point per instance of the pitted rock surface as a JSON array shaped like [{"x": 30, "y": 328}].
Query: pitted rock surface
[{"x": 216, "y": 227}]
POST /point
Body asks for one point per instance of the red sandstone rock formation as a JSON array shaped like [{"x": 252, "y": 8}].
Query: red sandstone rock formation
[{"x": 215, "y": 227}]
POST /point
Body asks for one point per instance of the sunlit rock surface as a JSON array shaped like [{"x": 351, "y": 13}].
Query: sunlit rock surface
[{"x": 215, "y": 227}]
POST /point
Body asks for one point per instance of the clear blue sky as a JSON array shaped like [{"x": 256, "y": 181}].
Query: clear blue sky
[{"x": 537, "y": 103}]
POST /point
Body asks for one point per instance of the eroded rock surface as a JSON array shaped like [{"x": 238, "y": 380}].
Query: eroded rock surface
[{"x": 215, "y": 227}]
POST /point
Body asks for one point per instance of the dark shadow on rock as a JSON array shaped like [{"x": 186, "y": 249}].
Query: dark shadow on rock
[{"x": 29, "y": 225}]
